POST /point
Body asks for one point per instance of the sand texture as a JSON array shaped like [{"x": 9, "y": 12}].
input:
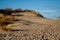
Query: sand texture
[{"x": 30, "y": 26}]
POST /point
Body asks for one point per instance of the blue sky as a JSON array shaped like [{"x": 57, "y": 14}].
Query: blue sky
[{"x": 48, "y": 8}]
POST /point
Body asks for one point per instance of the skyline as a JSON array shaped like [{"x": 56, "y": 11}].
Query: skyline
[{"x": 48, "y": 8}]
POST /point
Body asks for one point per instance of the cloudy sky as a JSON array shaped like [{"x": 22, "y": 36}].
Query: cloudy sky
[{"x": 48, "y": 8}]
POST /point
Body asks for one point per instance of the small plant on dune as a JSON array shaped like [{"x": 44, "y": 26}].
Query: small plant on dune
[
  {"x": 40, "y": 15},
  {"x": 27, "y": 10},
  {"x": 2, "y": 18},
  {"x": 4, "y": 23},
  {"x": 18, "y": 10},
  {"x": 7, "y": 28}
]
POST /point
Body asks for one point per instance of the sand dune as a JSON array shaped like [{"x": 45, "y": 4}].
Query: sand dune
[{"x": 29, "y": 26}]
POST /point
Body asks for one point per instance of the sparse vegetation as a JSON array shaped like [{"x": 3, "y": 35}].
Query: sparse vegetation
[
  {"x": 18, "y": 10},
  {"x": 27, "y": 10},
  {"x": 40, "y": 15}
]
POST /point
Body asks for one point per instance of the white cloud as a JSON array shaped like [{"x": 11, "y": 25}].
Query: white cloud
[{"x": 47, "y": 11}]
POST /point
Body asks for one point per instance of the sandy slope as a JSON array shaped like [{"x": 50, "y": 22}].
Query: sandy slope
[{"x": 32, "y": 27}]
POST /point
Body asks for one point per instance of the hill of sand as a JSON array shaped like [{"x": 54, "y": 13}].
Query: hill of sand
[{"x": 31, "y": 26}]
